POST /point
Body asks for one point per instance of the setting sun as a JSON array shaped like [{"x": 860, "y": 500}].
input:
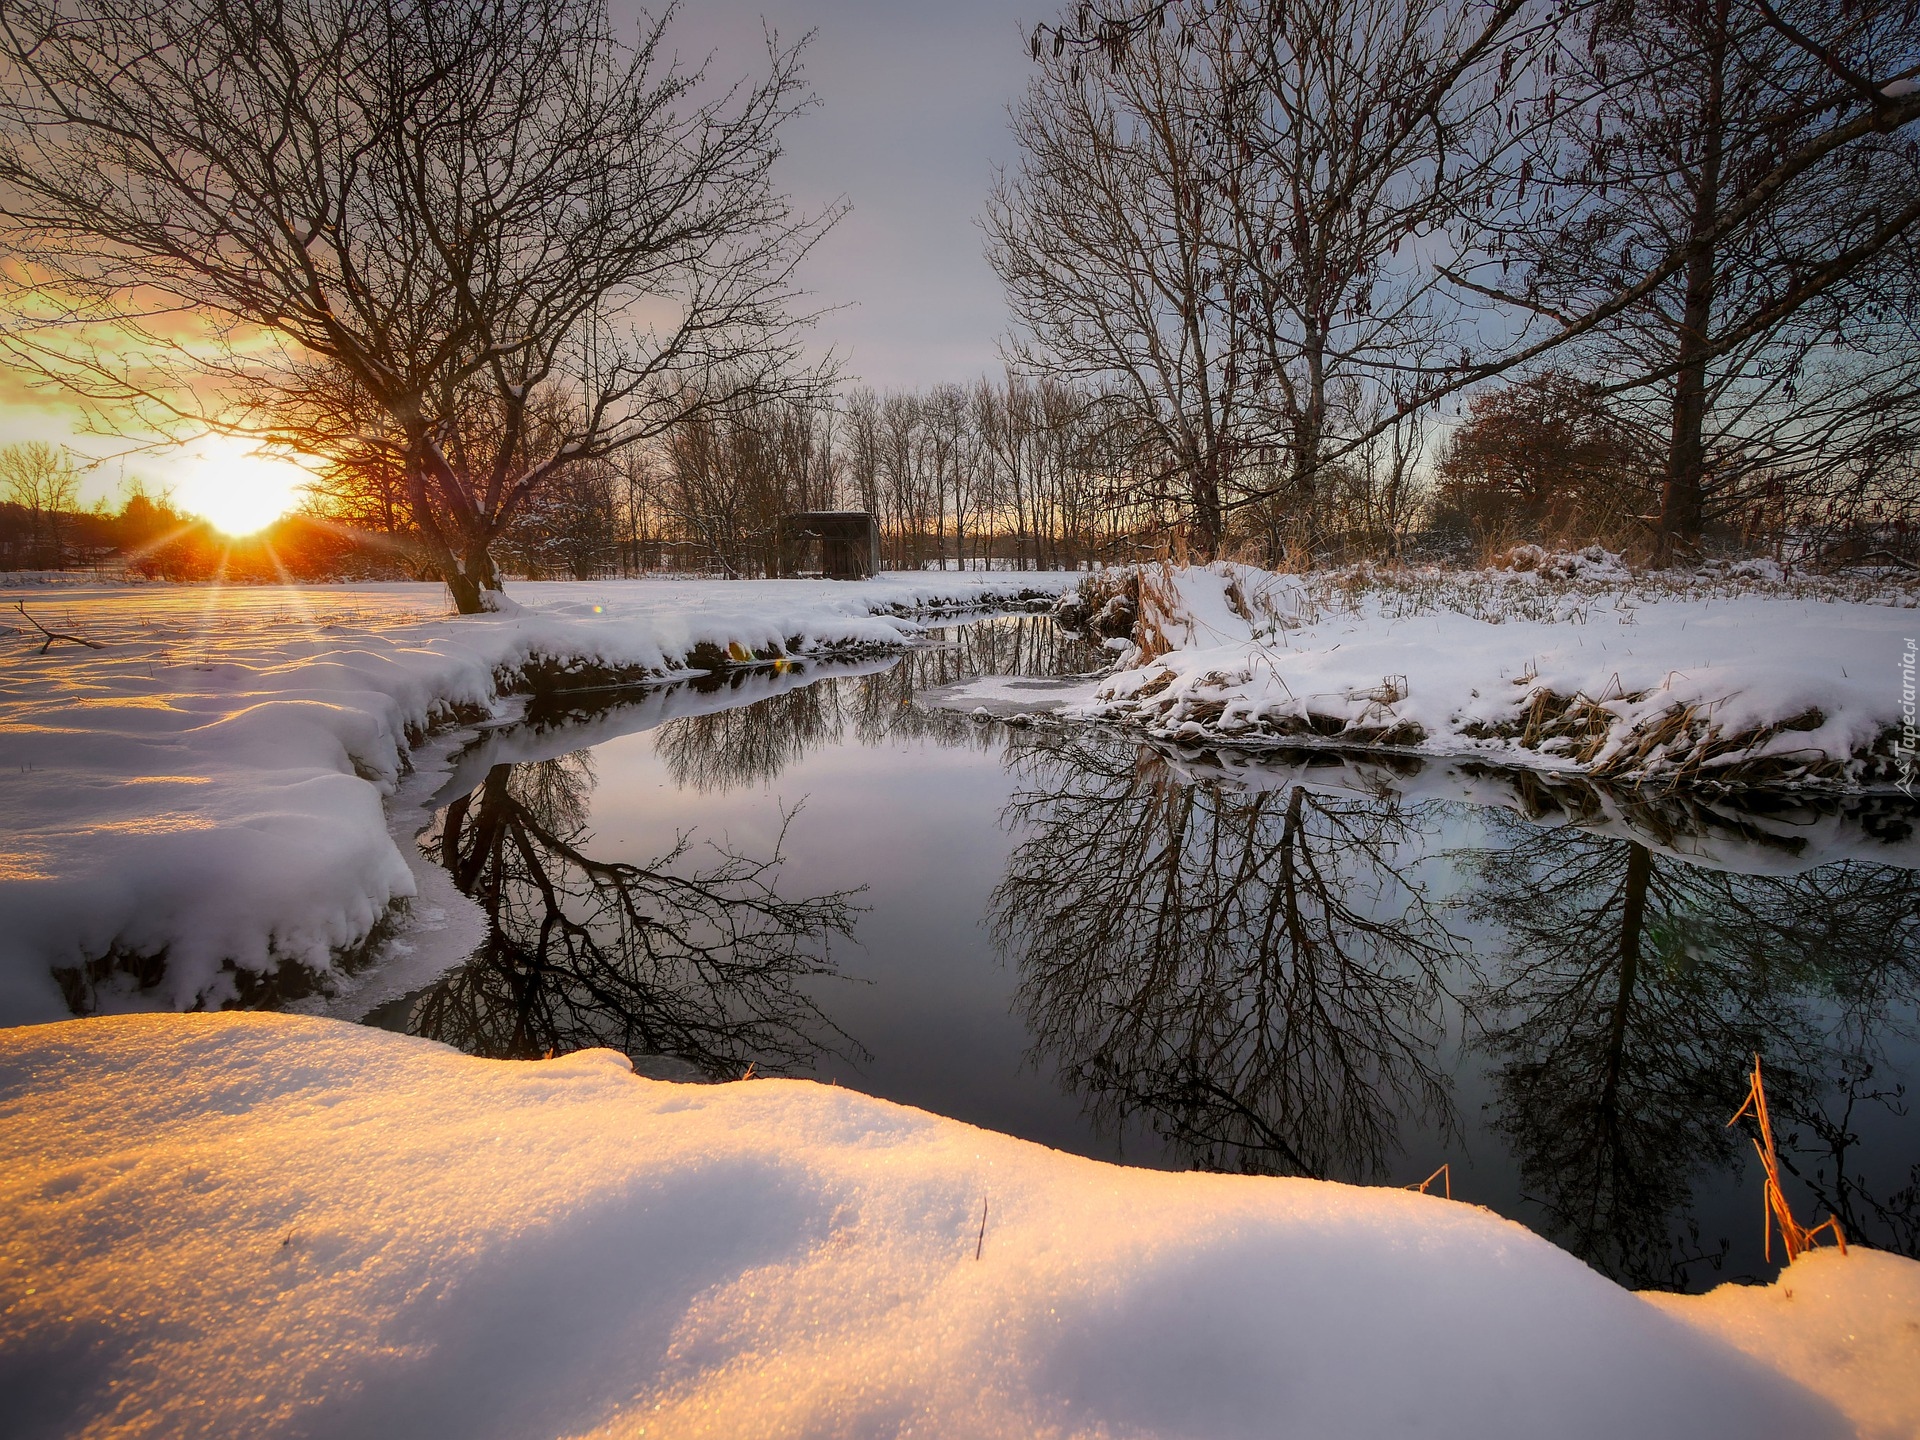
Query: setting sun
[{"x": 237, "y": 487}]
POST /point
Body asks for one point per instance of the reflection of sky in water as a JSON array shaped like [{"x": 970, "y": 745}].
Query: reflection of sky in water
[
  {"x": 919, "y": 809},
  {"x": 919, "y": 825}
]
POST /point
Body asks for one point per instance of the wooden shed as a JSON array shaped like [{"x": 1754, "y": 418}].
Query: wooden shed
[{"x": 839, "y": 544}]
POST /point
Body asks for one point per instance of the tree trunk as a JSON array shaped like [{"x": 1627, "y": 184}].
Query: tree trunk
[
  {"x": 1308, "y": 436},
  {"x": 466, "y": 590},
  {"x": 1633, "y": 915},
  {"x": 1205, "y": 495},
  {"x": 478, "y": 568},
  {"x": 472, "y": 578},
  {"x": 1683, "y": 491},
  {"x": 940, "y": 520}
]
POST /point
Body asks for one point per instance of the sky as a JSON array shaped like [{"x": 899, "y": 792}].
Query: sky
[{"x": 911, "y": 121}]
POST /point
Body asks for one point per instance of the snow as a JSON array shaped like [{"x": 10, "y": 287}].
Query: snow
[
  {"x": 1004, "y": 696},
  {"x": 209, "y": 785},
  {"x": 262, "y": 1225},
  {"x": 1558, "y": 666},
  {"x": 1845, "y": 1326}
]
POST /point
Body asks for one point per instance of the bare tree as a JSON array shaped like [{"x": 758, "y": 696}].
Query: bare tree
[
  {"x": 860, "y": 450},
  {"x": 910, "y": 493},
  {"x": 1106, "y": 242},
  {"x": 1012, "y": 470},
  {"x": 733, "y": 474},
  {"x": 1316, "y": 192},
  {"x": 41, "y": 479},
  {"x": 1231, "y": 221},
  {"x": 1779, "y": 346},
  {"x": 486, "y": 239},
  {"x": 1034, "y": 443},
  {"x": 1542, "y": 459},
  {"x": 570, "y": 528}
]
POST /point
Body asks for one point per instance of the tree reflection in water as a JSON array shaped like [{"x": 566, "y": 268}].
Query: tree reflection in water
[
  {"x": 751, "y": 744},
  {"x": 1633, "y": 988},
  {"x": 699, "y": 961},
  {"x": 1258, "y": 973},
  {"x": 754, "y": 744},
  {"x": 1255, "y": 975}
]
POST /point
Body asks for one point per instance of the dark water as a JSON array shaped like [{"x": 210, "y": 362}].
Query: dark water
[{"x": 1302, "y": 964}]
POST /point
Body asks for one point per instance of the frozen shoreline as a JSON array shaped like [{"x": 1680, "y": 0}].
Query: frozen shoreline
[{"x": 1737, "y": 681}]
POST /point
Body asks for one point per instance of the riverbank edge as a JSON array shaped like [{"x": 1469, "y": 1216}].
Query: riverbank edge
[{"x": 561, "y": 658}]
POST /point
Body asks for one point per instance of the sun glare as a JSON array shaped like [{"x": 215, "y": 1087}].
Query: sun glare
[{"x": 235, "y": 487}]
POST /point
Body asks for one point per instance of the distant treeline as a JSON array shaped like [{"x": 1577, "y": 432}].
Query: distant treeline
[
  {"x": 1007, "y": 473},
  {"x": 149, "y": 537},
  {"x": 1019, "y": 473}
]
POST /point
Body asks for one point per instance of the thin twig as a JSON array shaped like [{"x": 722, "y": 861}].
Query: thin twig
[
  {"x": 53, "y": 635},
  {"x": 981, "y": 1244}
]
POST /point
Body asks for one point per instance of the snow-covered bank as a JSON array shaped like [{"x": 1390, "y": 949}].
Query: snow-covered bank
[
  {"x": 267, "y": 1225},
  {"x": 207, "y": 786},
  {"x": 1843, "y": 1325},
  {"x": 1735, "y": 679}
]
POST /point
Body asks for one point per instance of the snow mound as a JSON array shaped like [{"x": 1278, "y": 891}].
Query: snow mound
[
  {"x": 1845, "y": 1326},
  {"x": 264, "y": 1225}
]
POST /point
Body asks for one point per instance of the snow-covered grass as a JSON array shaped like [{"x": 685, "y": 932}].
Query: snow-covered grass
[
  {"x": 1736, "y": 675},
  {"x": 16, "y": 579},
  {"x": 267, "y": 1225},
  {"x": 195, "y": 806}
]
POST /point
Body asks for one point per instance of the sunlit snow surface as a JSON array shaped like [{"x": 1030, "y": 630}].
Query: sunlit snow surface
[
  {"x": 209, "y": 784},
  {"x": 265, "y": 1225}
]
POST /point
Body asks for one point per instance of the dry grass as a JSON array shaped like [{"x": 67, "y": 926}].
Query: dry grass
[
  {"x": 1779, "y": 1215},
  {"x": 1157, "y": 601},
  {"x": 1556, "y": 586}
]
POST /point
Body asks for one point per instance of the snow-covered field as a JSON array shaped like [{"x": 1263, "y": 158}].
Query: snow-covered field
[
  {"x": 265, "y": 1225},
  {"x": 208, "y": 785},
  {"x": 1735, "y": 677}
]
